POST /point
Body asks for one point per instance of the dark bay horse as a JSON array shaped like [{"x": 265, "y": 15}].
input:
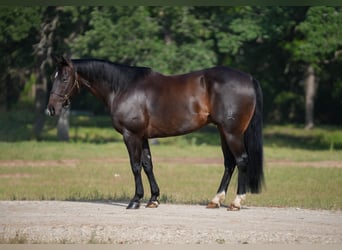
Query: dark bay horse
[{"x": 145, "y": 104}]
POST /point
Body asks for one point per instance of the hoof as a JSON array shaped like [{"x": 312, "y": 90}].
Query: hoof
[
  {"x": 213, "y": 205},
  {"x": 152, "y": 204},
  {"x": 232, "y": 207},
  {"x": 133, "y": 205}
]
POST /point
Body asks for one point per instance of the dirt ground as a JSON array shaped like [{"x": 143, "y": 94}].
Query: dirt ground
[
  {"x": 85, "y": 222},
  {"x": 89, "y": 222}
]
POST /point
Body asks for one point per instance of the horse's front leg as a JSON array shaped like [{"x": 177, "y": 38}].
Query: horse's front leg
[
  {"x": 134, "y": 147},
  {"x": 148, "y": 168}
]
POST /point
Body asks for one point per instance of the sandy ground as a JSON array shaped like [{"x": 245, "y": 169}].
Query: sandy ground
[{"x": 85, "y": 222}]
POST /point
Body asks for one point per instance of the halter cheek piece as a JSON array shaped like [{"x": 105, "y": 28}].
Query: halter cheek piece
[{"x": 66, "y": 97}]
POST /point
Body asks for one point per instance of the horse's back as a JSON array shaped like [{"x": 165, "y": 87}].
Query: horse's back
[{"x": 226, "y": 75}]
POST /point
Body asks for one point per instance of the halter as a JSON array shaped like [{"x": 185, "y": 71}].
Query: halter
[{"x": 66, "y": 97}]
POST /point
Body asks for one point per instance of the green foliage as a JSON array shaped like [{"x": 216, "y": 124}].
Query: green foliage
[
  {"x": 286, "y": 106},
  {"x": 241, "y": 30},
  {"x": 17, "y": 26},
  {"x": 319, "y": 35},
  {"x": 137, "y": 36},
  {"x": 118, "y": 40},
  {"x": 17, "y": 23},
  {"x": 271, "y": 43}
]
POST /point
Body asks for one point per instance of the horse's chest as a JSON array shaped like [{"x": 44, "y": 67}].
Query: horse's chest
[{"x": 128, "y": 115}]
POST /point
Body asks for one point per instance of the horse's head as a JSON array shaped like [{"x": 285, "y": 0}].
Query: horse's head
[{"x": 65, "y": 84}]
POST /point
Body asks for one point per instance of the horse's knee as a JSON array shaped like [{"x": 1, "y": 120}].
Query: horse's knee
[
  {"x": 146, "y": 161},
  {"x": 136, "y": 169},
  {"x": 242, "y": 162}
]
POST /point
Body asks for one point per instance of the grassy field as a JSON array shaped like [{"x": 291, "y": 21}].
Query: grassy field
[{"x": 300, "y": 168}]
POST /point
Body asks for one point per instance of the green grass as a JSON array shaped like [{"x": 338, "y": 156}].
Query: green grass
[
  {"x": 17, "y": 126},
  {"x": 87, "y": 168},
  {"x": 32, "y": 150},
  {"x": 96, "y": 176},
  {"x": 318, "y": 188},
  {"x": 294, "y": 136}
]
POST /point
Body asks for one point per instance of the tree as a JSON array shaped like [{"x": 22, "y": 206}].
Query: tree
[
  {"x": 58, "y": 27},
  {"x": 17, "y": 33},
  {"x": 267, "y": 59},
  {"x": 317, "y": 41},
  {"x": 159, "y": 37},
  {"x": 170, "y": 40},
  {"x": 285, "y": 48},
  {"x": 42, "y": 52}
]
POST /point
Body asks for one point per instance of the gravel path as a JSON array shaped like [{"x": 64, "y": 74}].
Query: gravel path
[{"x": 82, "y": 222}]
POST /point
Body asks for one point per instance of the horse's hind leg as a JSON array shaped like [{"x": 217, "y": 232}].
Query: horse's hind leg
[
  {"x": 237, "y": 147},
  {"x": 229, "y": 166},
  {"x": 146, "y": 159}
]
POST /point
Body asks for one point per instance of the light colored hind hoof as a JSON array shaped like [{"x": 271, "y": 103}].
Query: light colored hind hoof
[
  {"x": 213, "y": 205},
  {"x": 152, "y": 204},
  {"x": 232, "y": 207}
]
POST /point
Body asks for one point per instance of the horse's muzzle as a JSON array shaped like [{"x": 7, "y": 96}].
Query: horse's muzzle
[{"x": 50, "y": 111}]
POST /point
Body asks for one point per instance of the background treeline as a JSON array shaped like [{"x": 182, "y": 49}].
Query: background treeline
[{"x": 295, "y": 52}]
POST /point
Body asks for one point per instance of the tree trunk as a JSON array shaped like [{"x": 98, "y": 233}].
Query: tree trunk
[
  {"x": 42, "y": 52},
  {"x": 310, "y": 94},
  {"x": 3, "y": 94},
  {"x": 63, "y": 125},
  {"x": 40, "y": 103}
]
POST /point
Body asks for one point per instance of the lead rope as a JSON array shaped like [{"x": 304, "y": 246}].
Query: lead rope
[{"x": 85, "y": 82}]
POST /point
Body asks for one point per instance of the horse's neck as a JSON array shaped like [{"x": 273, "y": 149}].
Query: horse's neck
[
  {"x": 110, "y": 84},
  {"x": 98, "y": 87}
]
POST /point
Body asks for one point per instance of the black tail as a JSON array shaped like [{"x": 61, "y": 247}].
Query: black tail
[{"x": 254, "y": 144}]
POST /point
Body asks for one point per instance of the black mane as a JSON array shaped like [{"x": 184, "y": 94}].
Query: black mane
[{"x": 116, "y": 75}]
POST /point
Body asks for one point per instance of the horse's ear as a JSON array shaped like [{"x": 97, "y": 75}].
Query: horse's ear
[
  {"x": 65, "y": 62},
  {"x": 61, "y": 61},
  {"x": 56, "y": 59}
]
